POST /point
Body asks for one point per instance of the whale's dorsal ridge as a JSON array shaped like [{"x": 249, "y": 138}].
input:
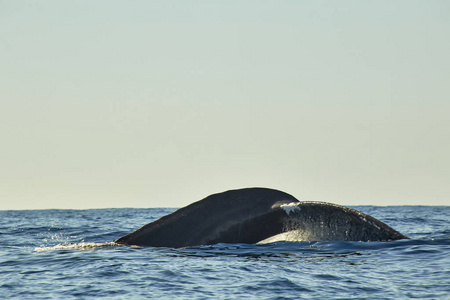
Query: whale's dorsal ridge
[{"x": 251, "y": 215}]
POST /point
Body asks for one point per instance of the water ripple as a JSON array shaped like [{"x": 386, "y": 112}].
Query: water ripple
[{"x": 69, "y": 254}]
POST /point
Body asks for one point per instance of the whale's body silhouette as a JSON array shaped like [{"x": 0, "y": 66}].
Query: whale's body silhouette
[{"x": 255, "y": 215}]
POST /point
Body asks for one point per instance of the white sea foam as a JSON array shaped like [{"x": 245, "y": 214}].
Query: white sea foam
[{"x": 79, "y": 246}]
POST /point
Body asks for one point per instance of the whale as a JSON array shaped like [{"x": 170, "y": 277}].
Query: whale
[{"x": 257, "y": 216}]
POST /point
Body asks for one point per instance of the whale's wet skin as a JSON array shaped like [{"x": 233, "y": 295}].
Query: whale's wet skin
[{"x": 258, "y": 215}]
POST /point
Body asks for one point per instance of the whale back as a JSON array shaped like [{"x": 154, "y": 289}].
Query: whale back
[{"x": 258, "y": 215}]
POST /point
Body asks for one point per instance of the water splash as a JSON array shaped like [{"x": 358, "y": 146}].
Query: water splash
[{"x": 79, "y": 246}]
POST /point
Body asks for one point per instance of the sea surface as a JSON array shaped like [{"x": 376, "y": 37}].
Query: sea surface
[{"x": 69, "y": 254}]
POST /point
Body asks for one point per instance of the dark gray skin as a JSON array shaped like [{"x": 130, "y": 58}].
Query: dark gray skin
[
  {"x": 254, "y": 214},
  {"x": 321, "y": 221}
]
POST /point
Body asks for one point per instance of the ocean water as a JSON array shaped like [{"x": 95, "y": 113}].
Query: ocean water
[{"x": 64, "y": 254}]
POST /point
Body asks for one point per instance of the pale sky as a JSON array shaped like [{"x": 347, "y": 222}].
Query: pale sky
[{"x": 161, "y": 103}]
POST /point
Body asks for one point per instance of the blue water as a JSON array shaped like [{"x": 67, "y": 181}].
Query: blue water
[{"x": 65, "y": 254}]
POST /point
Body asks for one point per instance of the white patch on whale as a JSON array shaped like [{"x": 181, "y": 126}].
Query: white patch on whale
[
  {"x": 288, "y": 236},
  {"x": 290, "y": 207}
]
